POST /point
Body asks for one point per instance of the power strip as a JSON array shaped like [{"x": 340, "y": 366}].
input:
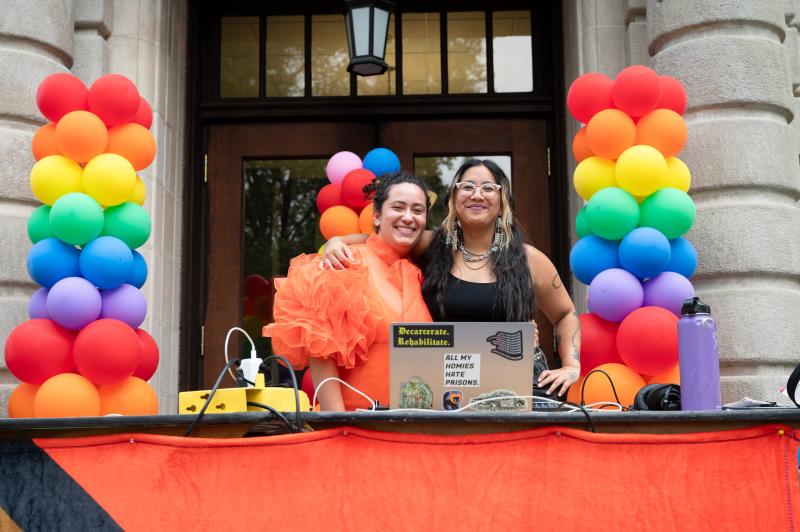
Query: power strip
[{"x": 229, "y": 400}]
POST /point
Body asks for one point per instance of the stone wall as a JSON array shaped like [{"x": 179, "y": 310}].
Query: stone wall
[{"x": 146, "y": 41}]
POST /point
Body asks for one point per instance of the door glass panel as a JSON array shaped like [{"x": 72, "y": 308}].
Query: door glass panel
[
  {"x": 385, "y": 84},
  {"x": 422, "y": 54},
  {"x": 239, "y": 57},
  {"x": 329, "y": 57},
  {"x": 286, "y": 56},
  {"x": 438, "y": 173},
  {"x": 466, "y": 52},
  {"x": 511, "y": 42},
  {"x": 280, "y": 222}
]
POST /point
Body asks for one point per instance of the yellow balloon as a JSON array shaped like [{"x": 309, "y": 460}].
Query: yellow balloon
[
  {"x": 640, "y": 199},
  {"x": 678, "y": 175},
  {"x": 593, "y": 174},
  {"x": 110, "y": 179},
  {"x": 53, "y": 176},
  {"x": 321, "y": 249},
  {"x": 641, "y": 170},
  {"x": 139, "y": 192}
]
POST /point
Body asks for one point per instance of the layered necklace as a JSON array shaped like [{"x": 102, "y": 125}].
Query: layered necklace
[{"x": 471, "y": 257}]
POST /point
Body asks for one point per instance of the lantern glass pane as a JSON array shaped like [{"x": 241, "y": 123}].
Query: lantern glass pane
[
  {"x": 422, "y": 54},
  {"x": 512, "y": 51},
  {"x": 379, "y": 37},
  {"x": 466, "y": 52},
  {"x": 386, "y": 83},
  {"x": 329, "y": 57},
  {"x": 239, "y": 57},
  {"x": 361, "y": 30},
  {"x": 286, "y": 56}
]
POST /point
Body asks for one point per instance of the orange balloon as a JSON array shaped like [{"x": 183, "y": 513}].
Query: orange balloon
[
  {"x": 671, "y": 376},
  {"x": 626, "y": 381},
  {"x": 609, "y": 133},
  {"x": 44, "y": 142},
  {"x": 20, "y": 403},
  {"x": 574, "y": 393},
  {"x": 365, "y": 220},
  {"x": 134, "y": 142},
  {"x": 580, "y": 150},
  {"x": 67, "y": 395},
  {"x": 131, "y": 397},
  {"x": 338, "y": 221},
  {"x": 663, "y": 129},
  {"x": 81, "y": 135}
]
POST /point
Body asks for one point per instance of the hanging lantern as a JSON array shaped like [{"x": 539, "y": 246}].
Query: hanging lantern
[{"x": 367, "y": 23}]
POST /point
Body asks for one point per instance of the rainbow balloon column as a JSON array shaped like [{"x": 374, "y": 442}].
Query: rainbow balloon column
[
  {"x": 344, "y": 206},
  {"x": 82, "y": 353},
  {"x": 631, "y": 252}
]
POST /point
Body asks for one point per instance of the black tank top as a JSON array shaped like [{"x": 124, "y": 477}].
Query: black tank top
[{"x": 468, "y": 301}]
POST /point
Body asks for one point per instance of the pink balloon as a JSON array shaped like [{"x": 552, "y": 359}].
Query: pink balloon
[{"x": 341, "y": 164}]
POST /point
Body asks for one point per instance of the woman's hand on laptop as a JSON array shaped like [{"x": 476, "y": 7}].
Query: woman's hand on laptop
[
  {"x": 559, "y": 379},
  {"x": 336, "y": 255}
]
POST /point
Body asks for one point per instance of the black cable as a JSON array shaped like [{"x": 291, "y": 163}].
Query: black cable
[
  {"x": 294, "y": 385},
  {"x": 610, "y": 380},
  {"x": 210, "y": 396},
  {"x": 585, "y": 413},
  {"x": 276, "y": 414}
]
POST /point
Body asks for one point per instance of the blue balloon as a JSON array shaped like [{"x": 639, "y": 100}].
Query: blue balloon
[
  {"x": 51, "y": 260},
  {"x": 106, "y": 262},
  {"x": 591, "y": 255},
  {"x": 381, "y": 161},
  {"x": 644, "y": 252},
  {"x": 139, "y": 271},
  {"x": 684, "y": 257}
]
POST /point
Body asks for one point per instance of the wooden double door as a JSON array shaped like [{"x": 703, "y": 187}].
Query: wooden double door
[{"x": 262, "y": 179}]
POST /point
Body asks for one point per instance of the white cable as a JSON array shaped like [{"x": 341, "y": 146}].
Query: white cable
[
  {"x": 252, "y": 347},
  {"x": 604, "y": 403},
  {"x": 325, "y": 381}
]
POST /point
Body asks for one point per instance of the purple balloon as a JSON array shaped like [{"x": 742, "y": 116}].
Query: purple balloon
[
  {"x": 37, "y": 308},
  {"x": 73, "y": 303},
  {"x": 124, "y": 303},
  {"x": 615, "y": 293},
  {"x": 668, "y": 290}
]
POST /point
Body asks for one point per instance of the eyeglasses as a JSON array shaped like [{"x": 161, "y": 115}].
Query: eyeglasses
[{"x": 487, "y": 189}]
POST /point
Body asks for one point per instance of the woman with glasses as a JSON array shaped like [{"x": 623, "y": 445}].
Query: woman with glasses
[{"x": 477, "y": 267}]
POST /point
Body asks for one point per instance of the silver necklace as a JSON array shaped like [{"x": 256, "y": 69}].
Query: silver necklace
[{"x": 474, "y": 257}]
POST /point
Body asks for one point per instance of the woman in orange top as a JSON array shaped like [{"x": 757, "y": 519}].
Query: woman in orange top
[{"x": 337, "y": 321}]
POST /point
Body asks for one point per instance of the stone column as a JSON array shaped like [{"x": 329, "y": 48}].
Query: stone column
[
  {"x": 739, "y": 71},
  {"x": 36, "y": 40},
  {"x": 93, "y": 25},
  {"x": 148, "y": 45}
]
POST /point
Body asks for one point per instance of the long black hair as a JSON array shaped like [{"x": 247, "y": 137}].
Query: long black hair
[{"x": 515, "y": 300}]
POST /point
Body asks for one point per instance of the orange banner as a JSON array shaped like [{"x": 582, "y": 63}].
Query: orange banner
[{"x": 354, "y": 479}]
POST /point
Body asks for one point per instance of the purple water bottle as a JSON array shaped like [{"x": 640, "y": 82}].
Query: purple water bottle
[{"x": 699, "y": 360}]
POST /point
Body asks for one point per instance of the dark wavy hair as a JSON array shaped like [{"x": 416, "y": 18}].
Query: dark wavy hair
[
  {"x": 379, "y": 188},
  {"x": 515, "y": 300}
]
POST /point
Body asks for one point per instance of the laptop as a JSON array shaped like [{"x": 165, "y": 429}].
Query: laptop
[{"x": 447, "y": 366}]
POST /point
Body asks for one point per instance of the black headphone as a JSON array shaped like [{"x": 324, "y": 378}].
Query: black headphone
[
  {"x": 791, "y": 386},
  {"x": 658, "y": 397}
]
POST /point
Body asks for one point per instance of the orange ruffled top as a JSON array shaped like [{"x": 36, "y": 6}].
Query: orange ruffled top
[{"x": 346, "y": 315}]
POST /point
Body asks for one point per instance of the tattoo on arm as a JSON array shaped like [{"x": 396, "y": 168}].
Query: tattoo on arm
[
  {"x": 576, "y": 352},
  {"x": 556, "y": 282}
]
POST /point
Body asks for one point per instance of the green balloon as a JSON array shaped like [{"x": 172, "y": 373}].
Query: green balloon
[
  {"x": 129, "y": 222},
  {"x": 669, "y": 210},
  {"x": 582, "y": 224},
  {"x": 612, "y": 213},
  {"x": 76, "y": 218},
  {"x": 39, "y": 224}
]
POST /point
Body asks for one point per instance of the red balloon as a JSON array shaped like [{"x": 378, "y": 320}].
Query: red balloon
[
  {"x": 114, "y": 99},
  {"x": 353, "y": 184},
  {"x": 328, "y": 196},
  {"x": 59, "y": 94},
  {"x": 148, "y": 361},
  {"x": 307, "y": 385},
  {"x": 144, "y": 114},
  {"x": 107, "y": 351},
  {"x": 598, "y": 342},
  {"x": 588, "y": 95},
  {"x": 673, "y": 95},
  {"x": 647, "y": 340},
  {"x": 256, "y": 286},
  {"x": 636, "y": 90},
  {"x": 39, "y": 349}
]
